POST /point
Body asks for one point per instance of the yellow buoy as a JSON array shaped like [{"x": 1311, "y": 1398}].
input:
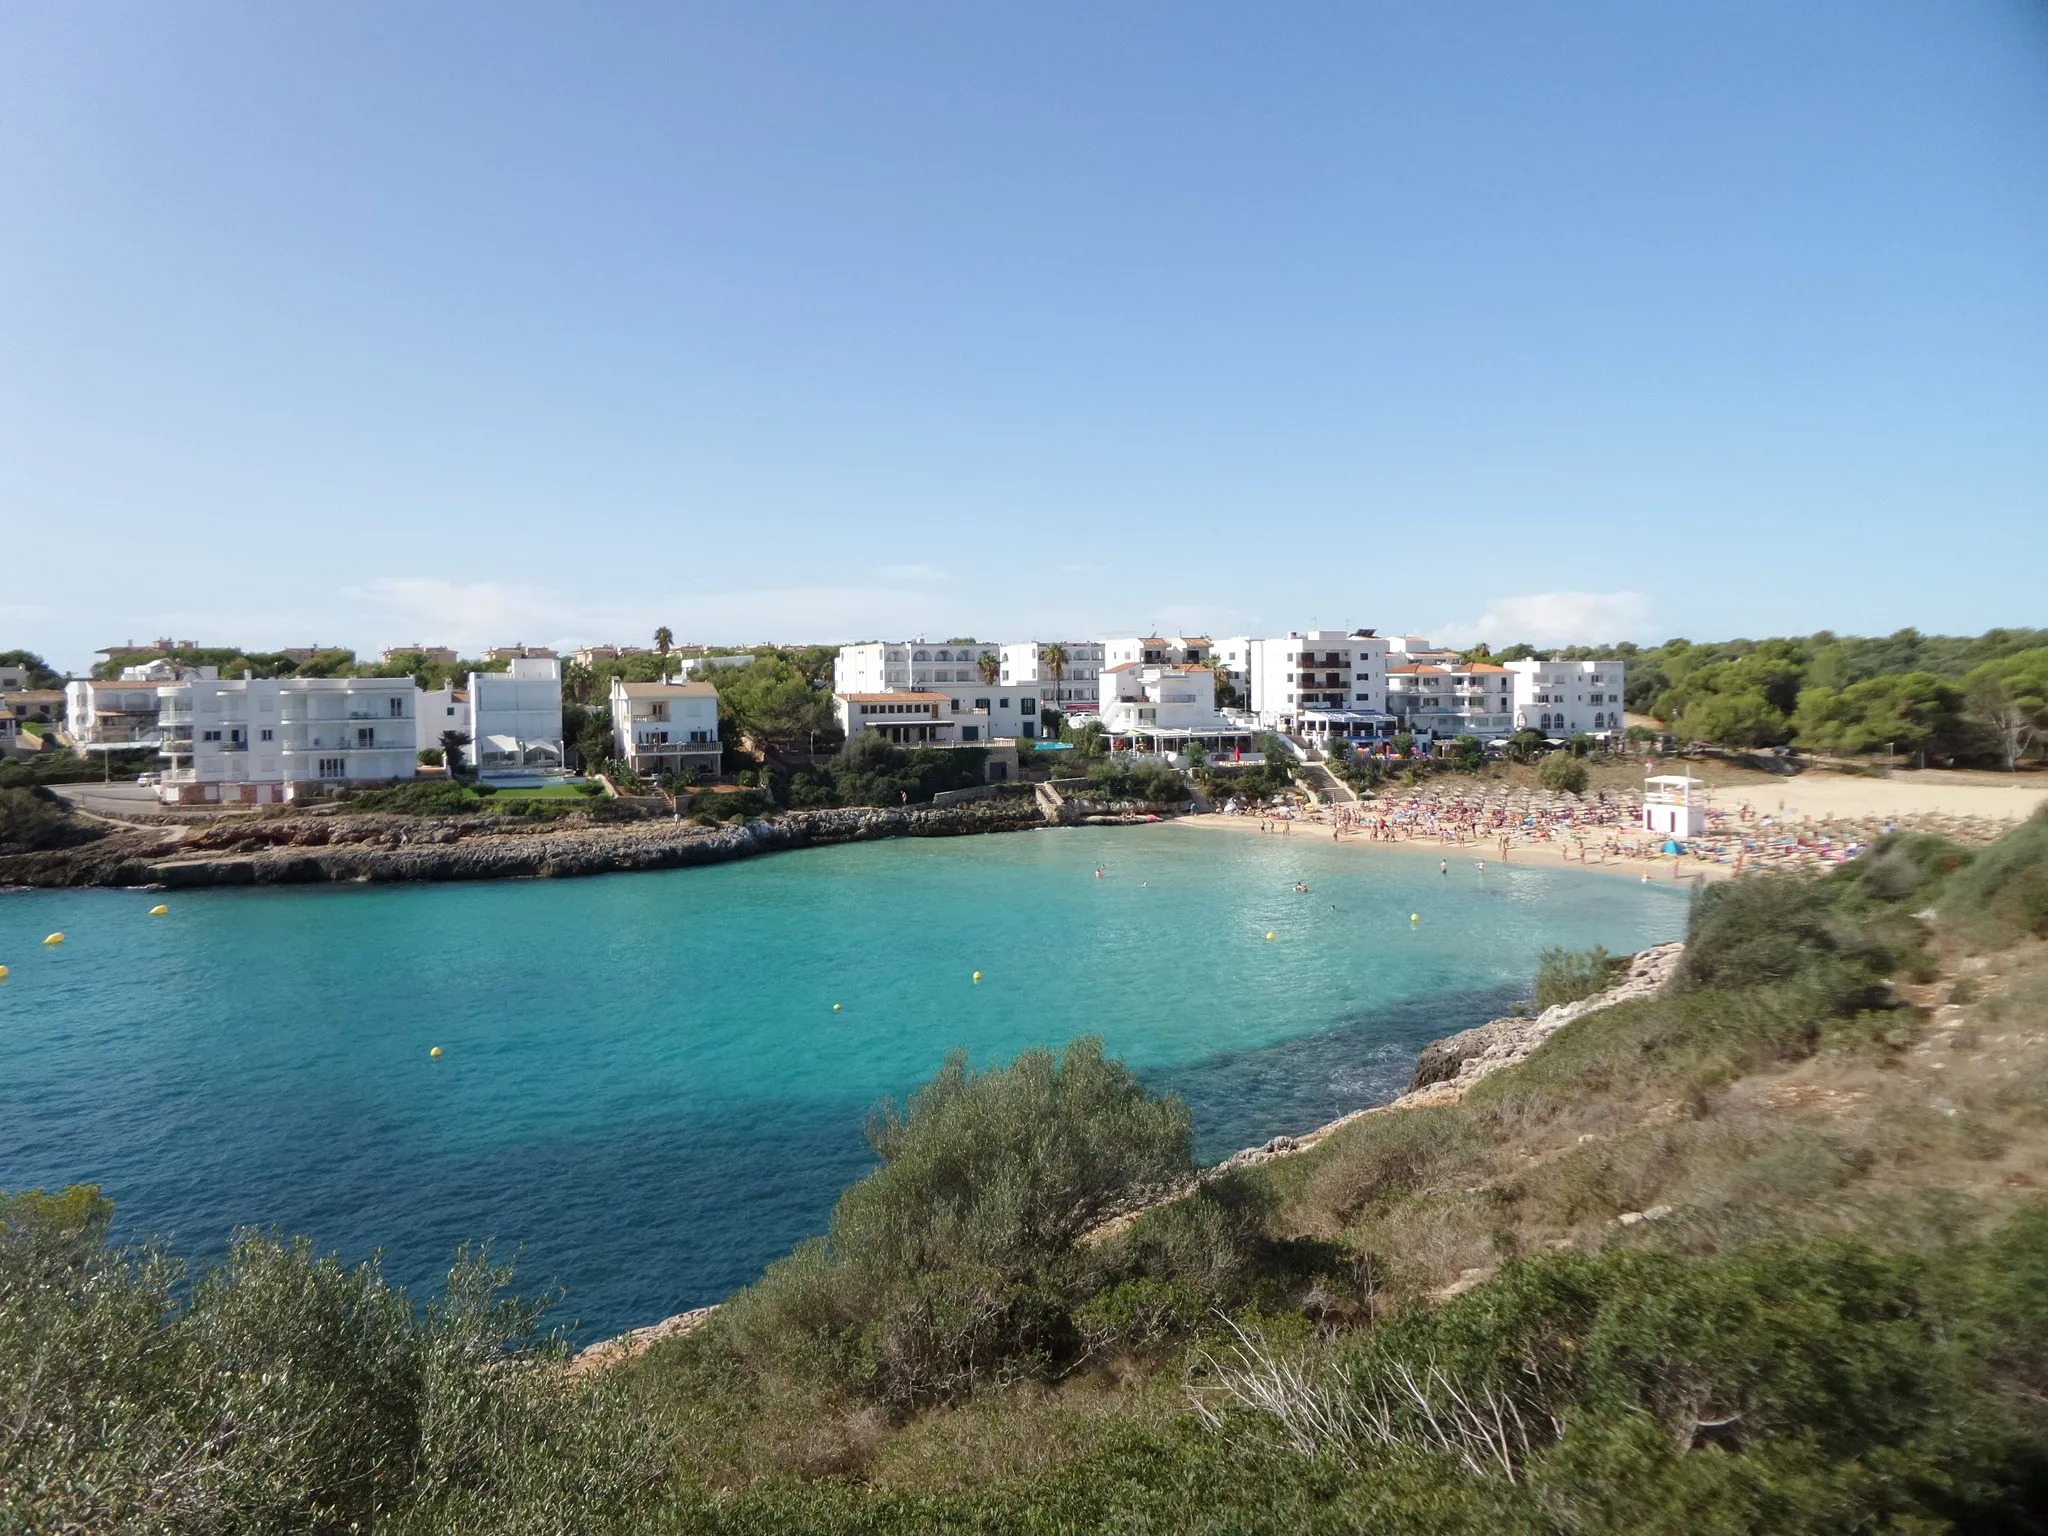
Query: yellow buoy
[
  {"x": 1271, "y": 937},
  {"x": 3, "y": 973},
  {"x": 435, "y": 1053},
  {"x": 55, "y": 938},
  {"x": 977, "y": 975},
  {"x": 835, "y": 1007},
  {"x": 1414, "y": 917},
  {"x": 159, "y": 910}
]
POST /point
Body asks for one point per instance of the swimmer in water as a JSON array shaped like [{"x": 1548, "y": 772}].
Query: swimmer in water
[
  {"x": 1098, "y": 874},
  {"x": 1443, "y": 866}
]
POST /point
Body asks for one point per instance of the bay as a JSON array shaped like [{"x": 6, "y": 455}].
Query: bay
[{"x": 644, "y": 1089}]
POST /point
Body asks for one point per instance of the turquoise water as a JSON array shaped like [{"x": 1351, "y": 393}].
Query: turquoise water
[{"x": 644, "y": 1086}]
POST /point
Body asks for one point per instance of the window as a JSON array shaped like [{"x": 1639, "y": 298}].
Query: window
[
  {"x": 981, "y": 703},
  {"x": 397, "y": 708},
  {"x": 1002, "y": 703},
  {"x": 209, "y": 735},
  {"x": 331, "y": 768},
  {"x": 265, "y": 734},
  {"x": 970, "y": 733},
  {"x": 366, "y": 736}
]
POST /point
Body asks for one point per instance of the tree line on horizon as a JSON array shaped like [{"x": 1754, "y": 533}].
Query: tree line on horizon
[{"x": 1955, "y": 699}]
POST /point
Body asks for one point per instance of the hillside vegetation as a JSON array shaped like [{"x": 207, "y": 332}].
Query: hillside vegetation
[
  {"x": 1954, "y": 698},
  {"x": 1763, "y": 1253}
]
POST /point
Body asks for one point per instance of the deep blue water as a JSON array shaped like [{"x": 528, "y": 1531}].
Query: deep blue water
[{"x": 644, "y": 1088}]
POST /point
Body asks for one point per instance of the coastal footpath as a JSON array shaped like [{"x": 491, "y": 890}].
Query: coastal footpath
[{"x": 333, "y": 848}]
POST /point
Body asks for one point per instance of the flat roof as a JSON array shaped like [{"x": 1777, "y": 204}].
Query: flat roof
[
  {"x": 669, "y": 690},
  {"x": 901, "y": 696}
]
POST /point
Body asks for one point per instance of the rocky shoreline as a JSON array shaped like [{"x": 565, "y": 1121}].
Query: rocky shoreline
[{"x": 334, "y": 848}]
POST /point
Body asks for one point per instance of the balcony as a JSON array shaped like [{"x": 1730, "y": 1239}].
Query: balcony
[{"x": 345, "y": 743}]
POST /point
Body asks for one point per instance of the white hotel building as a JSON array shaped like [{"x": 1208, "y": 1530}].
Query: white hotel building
[
  {"x": 971, "y": 711},
  {"x": 1568, "y": 698},
  {"x": 1319, "y": 683},
  {"x": 881, "y": 665},
  {"x": 1075, "y": 691},
  {"x": 1155, "y": 707},
  {"x": 1445, "y": 700},
  {"x": 257, "y": 741}
]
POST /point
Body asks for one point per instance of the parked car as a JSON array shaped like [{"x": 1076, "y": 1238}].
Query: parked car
[{"x": 149, "y": 778}]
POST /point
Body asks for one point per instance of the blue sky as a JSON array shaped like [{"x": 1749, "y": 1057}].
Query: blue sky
[{"x": 373, "y": 323}]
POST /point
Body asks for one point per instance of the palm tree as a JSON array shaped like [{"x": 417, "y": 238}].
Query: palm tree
[
  {"x": 989, "y": 665},
  {"x": 1054, "y": 657},
  {"x": 664, "y": 642},
  {"x": 452, "y": 743}
]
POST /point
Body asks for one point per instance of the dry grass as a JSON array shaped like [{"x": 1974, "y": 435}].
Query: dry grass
[{"x": 1902, "y": 1125}]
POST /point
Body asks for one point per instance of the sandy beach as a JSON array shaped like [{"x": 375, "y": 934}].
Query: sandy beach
[{"x": 1808, "y": 821}]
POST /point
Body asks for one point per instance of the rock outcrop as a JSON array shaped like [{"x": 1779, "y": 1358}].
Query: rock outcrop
[
  {"x": 1476, "y": 1053},
  {"x": 311, "y": 849}
]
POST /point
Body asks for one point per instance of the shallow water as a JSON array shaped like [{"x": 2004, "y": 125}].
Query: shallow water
[{"x": 644, "y": 1086}]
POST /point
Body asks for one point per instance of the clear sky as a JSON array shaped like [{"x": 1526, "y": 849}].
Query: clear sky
[{"x": 370, "y": 323}]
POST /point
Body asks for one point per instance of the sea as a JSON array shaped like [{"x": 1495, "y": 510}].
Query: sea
[{"x": 650, "y": 1086}]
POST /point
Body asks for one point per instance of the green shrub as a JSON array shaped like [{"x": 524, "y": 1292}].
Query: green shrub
[
  {"x": 1772, "y": 927},
  {"x": 34, "y": 818},
  {"x": 1905, "y": 866},
  {"x": 2003, "y": 892},
  {"x": 955, "y": 1263},
  {"x": 1562, "y": 772},
  {"x": 49, "y": 767},
  {"x": 1569, "y": 976},
  {"x": 1154, "y": 782},
  {"x": 424, "y": 797},
  {"x": 281, "y": 1391},
  {"x": 872, "y": 770}
]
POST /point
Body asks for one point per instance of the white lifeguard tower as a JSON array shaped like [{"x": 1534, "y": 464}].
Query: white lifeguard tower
[{"x": 1674, "y": 805}]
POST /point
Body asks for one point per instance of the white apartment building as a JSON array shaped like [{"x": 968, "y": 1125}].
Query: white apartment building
[
  {"x": 660, "y": 728},
  {"x": 1161, "y": 708},
  {"x": 1445, "y": 700},
  {"x": 13, "y": 679},
  {"x": 516, "y": 718},
  {"x": 121, "y": 711},
  {"x": 1568, "y": 698},
  {"x": 1075, "y": 690},
  {"x": 879, "y": 666},
  {"x": 440, "y": 710},
  {"x": 1158, "y": 651},
  {"x": 440, "y": 655},
  {"x": 1231, "y": 660},
  {"x": 977, "y": 712},
  {"x": 259, "y": 740},
  {"x": 907, "y": 717},
  {"x": 1414, "y": 650},
  {"x": 1319, "y": 683},
  {"x": 983, "y": 712}
]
